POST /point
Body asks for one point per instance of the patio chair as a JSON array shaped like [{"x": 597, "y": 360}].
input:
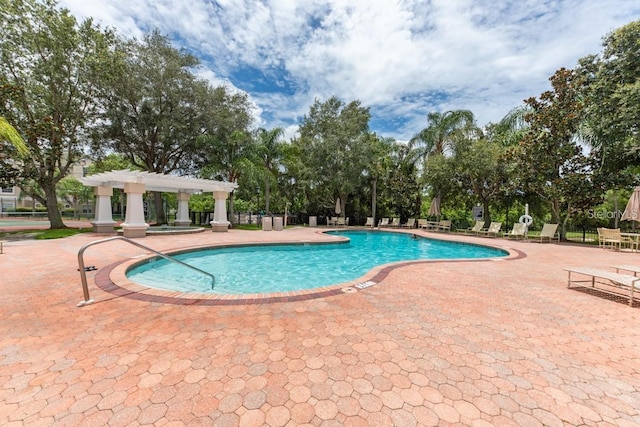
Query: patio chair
[
  {"x": 444, "y": 225},
  {"x": 411, "y": 223},
  {"x": 332, "y": 221},
  {"x": 384, "y": 222},
  {"x": 607, "y": 278},
  {"x": 518, "y": 231},
  {"x": 549, "y": 232},
  {"x": 601, "y": 237},
  {"x": 422, "y": 223},
  {"x": 369, "y": 222},
  {"x": 473, "y": 230},
  {"x": 395, "y": 222},
  {"x": 613, "y": 238},
  {"x": 341, "y": 222},
  {"x": 492, "y": 231}
]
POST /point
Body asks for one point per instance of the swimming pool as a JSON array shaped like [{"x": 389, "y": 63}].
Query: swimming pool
[{"x": 289, "y": 267}]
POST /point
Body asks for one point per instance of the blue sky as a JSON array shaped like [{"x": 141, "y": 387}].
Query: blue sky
[{"x": 403, "y": 59}]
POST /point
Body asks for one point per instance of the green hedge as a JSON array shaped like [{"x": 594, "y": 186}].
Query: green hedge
[{"x": 28, "y": 210}]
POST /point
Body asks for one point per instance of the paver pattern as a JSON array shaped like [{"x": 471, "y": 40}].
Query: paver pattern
[{"x": 493, "y": 343}]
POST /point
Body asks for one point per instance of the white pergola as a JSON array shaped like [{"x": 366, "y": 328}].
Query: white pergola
[{"x": 135, "y": 183}]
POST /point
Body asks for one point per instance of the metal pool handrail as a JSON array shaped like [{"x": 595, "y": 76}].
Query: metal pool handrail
[{"x": 83, "y": 273}]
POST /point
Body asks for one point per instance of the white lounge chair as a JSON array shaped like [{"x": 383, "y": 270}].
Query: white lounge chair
[
  {"x": 444, "y": 225},
  {"x": 384, "y": 222},
  {"x": 607, "y": 278},
  {"x": 518, "y": 231},
  {"x": 478, "y": 226},
  {"x": 369, "y": 222},
  {"x": 635, "y": 269},
  {"x": 411, "y": 223},
  {"x": 492, "y": 231},
  {"x": 549, "y": 232}
]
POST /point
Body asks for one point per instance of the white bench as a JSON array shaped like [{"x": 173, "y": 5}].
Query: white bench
[{"x": 605, "y": 277}]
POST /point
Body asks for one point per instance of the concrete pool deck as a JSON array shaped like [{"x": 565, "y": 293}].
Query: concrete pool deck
[{"x": 492, "y": 343}]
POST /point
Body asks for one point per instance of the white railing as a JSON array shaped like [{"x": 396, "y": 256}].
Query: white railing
[{"x": 83, "y": 272}]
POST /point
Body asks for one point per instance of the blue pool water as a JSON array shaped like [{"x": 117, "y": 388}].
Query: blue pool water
[{"x": 280, "y": 268}]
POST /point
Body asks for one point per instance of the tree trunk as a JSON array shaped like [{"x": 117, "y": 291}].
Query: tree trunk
[
  {"x": 343, "y": 203},
  {"x": 374, "y": 195},
  {"x": 565, "y": 221},
  {"x": 555, "y": 213},
  {"x": 76, "y": 204},
  {"x": 563, "y": 228},
  {"x": 231, "y": 214},
  {"x": 486, "y": 213},
  {"x": 160, "y": 214},
  {"x": 53, "y": 212}
]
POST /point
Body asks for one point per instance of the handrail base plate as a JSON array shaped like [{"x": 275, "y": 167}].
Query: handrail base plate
[{"x": 83, "y": 303}]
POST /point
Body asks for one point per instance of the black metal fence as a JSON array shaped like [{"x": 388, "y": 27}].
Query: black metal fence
[
  {"x": 590, "y": 234},
  {"x": 582, "y": 234},
  {"x": 575, "y": 234},
  {"x": 201, "y": 218}
]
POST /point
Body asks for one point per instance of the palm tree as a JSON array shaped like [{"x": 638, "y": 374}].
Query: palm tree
[
  {"x": 380, "y": 150},
  {"x": 510, "y": 130},
  {"x": 440, "y": 135},
  {"x": 10, "y": 134},
  {"x": 12, "y": 150},
  {"x": 269, "y": 152}
]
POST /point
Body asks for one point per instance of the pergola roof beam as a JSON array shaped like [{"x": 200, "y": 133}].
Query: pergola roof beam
[{"x": 157, "y": 182}]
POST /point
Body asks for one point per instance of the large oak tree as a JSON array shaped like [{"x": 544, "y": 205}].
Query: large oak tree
[
  {"x": 612, "y": 99},
  {"x": 333, "y": 149},
  {"x": 52, "y": 72},
  {"x": 157, "y": 109},
  {"x": 552, "y": 163}
]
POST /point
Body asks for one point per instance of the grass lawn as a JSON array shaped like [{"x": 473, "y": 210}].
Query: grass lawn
[{"x": 44, "y": 234}]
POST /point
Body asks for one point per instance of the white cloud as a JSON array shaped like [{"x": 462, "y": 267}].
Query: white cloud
[{"x": 403, "y": 58}]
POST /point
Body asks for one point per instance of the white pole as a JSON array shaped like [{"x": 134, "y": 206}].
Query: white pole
[
  {"x": 526, "y": 225},
  {"x": 285, "y": 214}
]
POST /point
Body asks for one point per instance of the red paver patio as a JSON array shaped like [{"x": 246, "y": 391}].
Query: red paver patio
[{"x": 500, "y": 342}]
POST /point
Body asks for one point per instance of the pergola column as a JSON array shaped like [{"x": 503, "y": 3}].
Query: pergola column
[
  {"x": 220, "y": 222},
  {"x": 134, "y": 225},
  {"x": 103, "y": 219},
  {"x": 182, "y": 217}
]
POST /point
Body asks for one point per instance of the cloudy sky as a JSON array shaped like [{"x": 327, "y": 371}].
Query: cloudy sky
[{"x": 401, "y": 58}]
